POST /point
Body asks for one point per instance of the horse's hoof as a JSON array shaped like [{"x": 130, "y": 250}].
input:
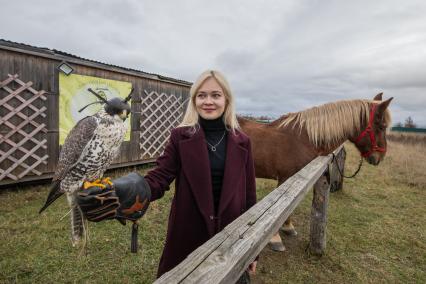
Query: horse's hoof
[
  {"x": 289, "y": 232},
  {"x": 276, "y": 246}
]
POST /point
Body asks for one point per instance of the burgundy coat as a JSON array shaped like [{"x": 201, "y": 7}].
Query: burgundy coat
[{"x": 192, "y": 220}]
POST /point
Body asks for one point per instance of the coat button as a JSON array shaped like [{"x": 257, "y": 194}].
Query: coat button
[{"x": 211, "y": 217}]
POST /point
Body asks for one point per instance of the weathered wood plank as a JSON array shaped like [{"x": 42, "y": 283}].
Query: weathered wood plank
[
  {"x": 341, "y": 159},
  {"x": 338, "y": 164},
  {"x": 317, "y": 242},
  {"x": 52, "y": 85},
  {"x": 224, "y": 257}
]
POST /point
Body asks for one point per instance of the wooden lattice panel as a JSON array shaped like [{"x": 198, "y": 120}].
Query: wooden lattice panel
[
  {"x": 22, "y": 129},
  {"x": 160, "y": 114}
]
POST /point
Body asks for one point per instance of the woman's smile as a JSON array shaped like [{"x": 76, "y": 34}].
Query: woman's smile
[{"x": 210, "y": 100}]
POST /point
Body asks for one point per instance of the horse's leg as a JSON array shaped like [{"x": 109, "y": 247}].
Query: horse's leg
[
  {"x": 288, "y": 228},
  {"x": 276, "y": 244}
]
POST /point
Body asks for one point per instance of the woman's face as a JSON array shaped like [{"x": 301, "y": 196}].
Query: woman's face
[{"x": 210, "y": 100}]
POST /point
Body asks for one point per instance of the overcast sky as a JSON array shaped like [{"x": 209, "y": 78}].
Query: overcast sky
[{"x": 279, "y": 56}]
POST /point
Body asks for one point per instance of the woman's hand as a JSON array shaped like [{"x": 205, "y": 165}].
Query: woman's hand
[{"x": 252, "y": 268}]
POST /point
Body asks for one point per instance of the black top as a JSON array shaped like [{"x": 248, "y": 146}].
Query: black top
[{"x": 214, "y": 130}]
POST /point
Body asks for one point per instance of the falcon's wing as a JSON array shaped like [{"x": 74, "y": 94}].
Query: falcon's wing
[
  {"x": 74, "y": 145},
  {"x": 71, "y": 151}
]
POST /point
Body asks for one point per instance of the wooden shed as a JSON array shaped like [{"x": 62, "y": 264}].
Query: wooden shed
[{"x": 29, "y": 110}]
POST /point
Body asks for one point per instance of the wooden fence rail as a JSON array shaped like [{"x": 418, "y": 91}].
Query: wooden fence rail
[{"x": 224, "y": 258}]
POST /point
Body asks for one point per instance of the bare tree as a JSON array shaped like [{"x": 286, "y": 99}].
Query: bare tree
[
  {"x": 247, "y": 116},
  {"x": 409, "y": 123},
  {"x": 264, "y": 118}
]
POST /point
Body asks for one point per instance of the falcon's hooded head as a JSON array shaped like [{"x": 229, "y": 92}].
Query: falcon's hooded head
[
  {"x": 117, "y": 106},
  {"x": 114, "y": 106}
]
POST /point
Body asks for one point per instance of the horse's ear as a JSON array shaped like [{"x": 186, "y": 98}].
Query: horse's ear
[
  {"x": 383, "y": 106},
  {"x": 378, "y": 97}
]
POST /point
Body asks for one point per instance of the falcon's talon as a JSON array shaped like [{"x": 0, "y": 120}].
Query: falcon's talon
[
  {"x": 107, "y": 180},
  {"x": 88, "y": 184},
  {"x": 99, "y": 185}
]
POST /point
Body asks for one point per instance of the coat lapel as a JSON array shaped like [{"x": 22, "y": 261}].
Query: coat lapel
[
  {"x": 196, "y": 167},
  {"x": 234, "y": 167}
]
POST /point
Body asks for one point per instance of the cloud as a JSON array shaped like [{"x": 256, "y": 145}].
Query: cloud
[{"x": 279, "y": 56}]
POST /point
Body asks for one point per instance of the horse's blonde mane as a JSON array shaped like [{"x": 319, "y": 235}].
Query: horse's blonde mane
[{"x": 330, "y": 123}]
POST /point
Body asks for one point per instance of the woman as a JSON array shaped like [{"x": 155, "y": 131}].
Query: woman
[{"x": 212, "y": 163}]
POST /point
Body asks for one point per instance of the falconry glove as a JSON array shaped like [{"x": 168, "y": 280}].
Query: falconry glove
[{"x": 125, "y": 198}]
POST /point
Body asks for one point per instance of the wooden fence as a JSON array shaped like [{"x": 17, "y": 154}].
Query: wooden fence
[
  {"x": 23, "y": 129},
  {"x": 224, "y": 258}
]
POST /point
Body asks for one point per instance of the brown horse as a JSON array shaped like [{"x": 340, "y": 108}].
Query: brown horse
[{"x": 284, "y": 146}]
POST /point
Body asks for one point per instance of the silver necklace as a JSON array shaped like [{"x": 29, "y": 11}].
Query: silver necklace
[{"x": 213, "y": 147}]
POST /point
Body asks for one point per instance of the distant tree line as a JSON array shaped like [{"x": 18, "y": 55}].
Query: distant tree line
[
  {"x": 409, "y": 123},
  {"x": 256, "y": 118}
]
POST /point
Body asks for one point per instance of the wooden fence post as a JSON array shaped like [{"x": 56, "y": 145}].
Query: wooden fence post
[
  {"x": 336, "y": 169},
  {"x": 319, "y": 215},
  {"x": 341, "y": 163}
]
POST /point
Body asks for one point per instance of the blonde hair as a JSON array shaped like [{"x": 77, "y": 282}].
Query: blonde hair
[{"x": 191, "y": 115}]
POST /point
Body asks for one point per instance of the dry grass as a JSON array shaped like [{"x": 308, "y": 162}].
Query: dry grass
[
  {"x": 406, "y": 162},
  {"x": 376, "y": 229},
  {"x": 407, "y": 138},
  {"x": 376, "y": 233}
]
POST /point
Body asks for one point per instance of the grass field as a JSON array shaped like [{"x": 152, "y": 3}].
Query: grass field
[
  {"x": 407, "y": 137},
  {"x": 376, "y": 233}
]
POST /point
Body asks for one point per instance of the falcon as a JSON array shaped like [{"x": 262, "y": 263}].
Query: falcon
[{"x": 88, "y": 151}]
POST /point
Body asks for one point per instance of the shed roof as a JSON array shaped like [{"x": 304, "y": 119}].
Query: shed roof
[{"x": 60, "y": 55}]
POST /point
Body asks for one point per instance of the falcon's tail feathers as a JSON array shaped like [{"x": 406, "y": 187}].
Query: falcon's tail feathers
[
  {"x": 54, "y": 194},
  {"x": 77, "y": 226}
]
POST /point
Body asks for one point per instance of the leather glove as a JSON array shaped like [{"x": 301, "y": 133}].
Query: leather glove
[{"x": 127, "y": 198}]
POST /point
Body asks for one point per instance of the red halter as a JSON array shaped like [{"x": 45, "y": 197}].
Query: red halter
[{"x": 369, "y": 131}]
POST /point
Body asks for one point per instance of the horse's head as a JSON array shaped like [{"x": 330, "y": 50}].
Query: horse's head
[{"x": 371, "y": 141}]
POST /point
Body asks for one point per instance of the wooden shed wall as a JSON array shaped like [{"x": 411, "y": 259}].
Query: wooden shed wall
[{"x": 43, "y": 72}]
